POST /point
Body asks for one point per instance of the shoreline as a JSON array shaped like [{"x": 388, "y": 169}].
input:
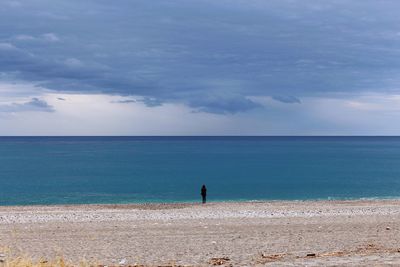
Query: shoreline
[
  {"x": 198, "y": 202},
  {"x": 182, "y": 205}
]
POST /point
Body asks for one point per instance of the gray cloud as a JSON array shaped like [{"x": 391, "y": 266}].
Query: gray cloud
[
  {"x": 151, "y": 102},
  {"x": 127, "y": 101},
  {"x": 35, "y": 104},
  {"x": 208, "y": 54},
  {"x": 223, "y": 105},
  {"x": 286, "y": 99}
]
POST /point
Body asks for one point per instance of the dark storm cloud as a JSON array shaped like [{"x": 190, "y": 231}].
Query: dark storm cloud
[{"x": 208, "y": 54}]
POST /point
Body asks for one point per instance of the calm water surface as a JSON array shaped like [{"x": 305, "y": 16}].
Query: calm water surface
[{"x": 58, "y": 170}]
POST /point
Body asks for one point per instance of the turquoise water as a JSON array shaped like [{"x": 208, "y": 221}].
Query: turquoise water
[{"x": 59, "y": 170}]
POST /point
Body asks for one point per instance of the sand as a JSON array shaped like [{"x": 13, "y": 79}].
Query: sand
[{"x": 296, "y": 233}]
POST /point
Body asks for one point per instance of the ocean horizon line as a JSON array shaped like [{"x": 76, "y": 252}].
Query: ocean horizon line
[{"x": 200, "y": 136}]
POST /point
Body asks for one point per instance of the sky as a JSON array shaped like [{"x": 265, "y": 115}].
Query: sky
[{"x": 199, "y": 67}]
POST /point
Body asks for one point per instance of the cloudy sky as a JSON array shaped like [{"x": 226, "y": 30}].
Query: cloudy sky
[{"x": 199, "y": 67}]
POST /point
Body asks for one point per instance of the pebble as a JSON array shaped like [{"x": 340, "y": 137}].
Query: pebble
[{"x": 218, "y": 211}]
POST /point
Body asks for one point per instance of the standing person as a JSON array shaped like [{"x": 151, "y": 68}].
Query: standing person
[{"x": 204, "y": 193}]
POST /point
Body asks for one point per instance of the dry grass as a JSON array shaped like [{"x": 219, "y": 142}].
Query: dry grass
[
  {"x": 60, "y": 262},
  {"x": 9, "y": 259},
  {"x": 27, "y": 262},
  {"x": 6, "y": 260}
]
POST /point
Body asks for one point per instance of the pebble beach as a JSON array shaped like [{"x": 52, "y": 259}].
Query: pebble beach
[{"x": 276, "y": 233}]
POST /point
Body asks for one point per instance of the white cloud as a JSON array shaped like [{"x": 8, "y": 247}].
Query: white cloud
[
  {"x": 7, "y": 46},
  {"x": 25, "y": 37},
  {"x": 51, "y": 37},
  {"x": 74, "y": 63},
  {"x": 11, "y": 91},
  {"x": 46, "y": 37}
]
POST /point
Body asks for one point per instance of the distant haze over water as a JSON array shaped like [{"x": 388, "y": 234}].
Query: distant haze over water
[{"x": 72, "y": 170}]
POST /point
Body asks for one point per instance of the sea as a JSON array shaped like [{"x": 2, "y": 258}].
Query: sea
[{"x": 80, "y": 170}]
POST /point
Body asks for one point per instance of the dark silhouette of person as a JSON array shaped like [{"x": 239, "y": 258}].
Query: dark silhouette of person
[{"x": 204, "y": 193}]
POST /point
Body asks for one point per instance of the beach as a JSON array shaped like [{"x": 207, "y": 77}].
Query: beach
[{"x": 275, "y": 233}]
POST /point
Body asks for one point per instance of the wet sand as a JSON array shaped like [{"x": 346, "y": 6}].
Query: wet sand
[{"x": 281, "y": 233}]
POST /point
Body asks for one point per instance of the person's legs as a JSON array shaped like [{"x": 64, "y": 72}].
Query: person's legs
[{"x": 204, "y": 199}]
